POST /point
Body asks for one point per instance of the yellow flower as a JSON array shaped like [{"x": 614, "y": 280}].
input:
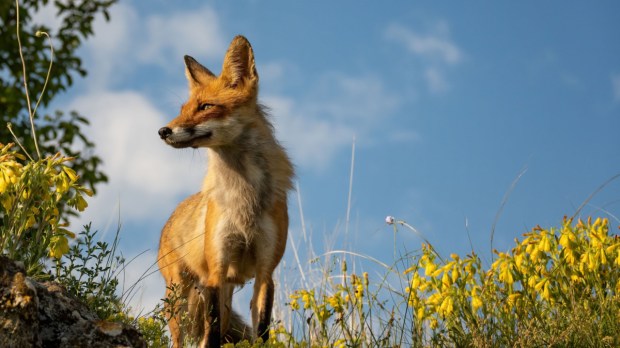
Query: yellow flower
[
  {"x": 570, "y": 256},
  {"x": 307, "y": 298},
  {"x": 543, "y": 288},
  {"x": 445, "y": 281},
  {"x": 415, "y": 282},
  {"x": 610, "y": 249},
  {"x": 567, "y": 239},
  {"x": 577, "y": 279},
  {"x": 546, "y": 293},
  {"x": 359, "y": 291},
  {"x": 447, "y": 306},
  {"x": 532, "y": 281},
  {"x": 7, "y": 202},
  {"x": 59, "y": 245},
  {"x": 545, "y": 242},
  {"x": 536, "y": 254},
  {"x": 80, "y": 203},
  {"x": 476, "y": 303},
  {"x": 30, "y": 222},
  {"x": 421, "y": 313},
  {"x": 335, "y": 302},
  {"x": 512, "y": 298},
  {"x": 66, "y": 232},
  {"x": 9, "y": 174},
  {"x": 70, "y": 173},
  {"x": 519, "y": 257},
  {"x": 588, "y": 260},
  {"x": 62, "y": 184},
  {"x": 434, "y": 299},
  {"x": 341, "y": 343},
  {"x": 602, "y": 257},
  {"x": 455, "y": 274},
  {"x": 598, "y": 233},
  {"x": 294, "y": 304},
  {"x": 430, "y": 268},
  {"x": 505, "y": 272},
  {"x": 3, "y": 183}
]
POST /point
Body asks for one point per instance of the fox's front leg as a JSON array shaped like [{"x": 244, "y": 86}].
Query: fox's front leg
[
  {"x": 212, "y": 337},
  {"x": 262, "y": 304}
]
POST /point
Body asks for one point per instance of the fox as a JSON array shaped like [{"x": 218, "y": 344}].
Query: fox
[{"x": 235, "y": 228}]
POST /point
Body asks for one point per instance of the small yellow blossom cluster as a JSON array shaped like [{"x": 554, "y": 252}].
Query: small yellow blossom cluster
[
  {"x": 31, "y": 193},
  {"x": 550, "y": 269},
  {"x": 153, "y": 330},
  {"x": 10, "y": 168},
  {"x": 349, "y": 294},
  {"x": 341, "y": 309},
  {"x": 322, "y": 308},
  {"x": 436, "y": 290},
  {"x": 548, "y": 264}
]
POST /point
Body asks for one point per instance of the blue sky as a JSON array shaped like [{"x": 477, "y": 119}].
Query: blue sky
[{"x": 448, "y": 102}]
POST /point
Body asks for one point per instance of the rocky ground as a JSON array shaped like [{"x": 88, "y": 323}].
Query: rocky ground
[{"x": 36, "y": 314}]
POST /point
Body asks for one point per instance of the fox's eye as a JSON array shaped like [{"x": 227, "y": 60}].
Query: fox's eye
[{"x": 205, "y": 106}]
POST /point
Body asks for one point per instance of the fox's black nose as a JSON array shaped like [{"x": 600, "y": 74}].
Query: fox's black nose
[{"x": 164, "y": 132}]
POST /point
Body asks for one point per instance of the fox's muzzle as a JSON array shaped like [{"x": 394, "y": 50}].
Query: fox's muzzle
[{"x": 164, "y": 132}]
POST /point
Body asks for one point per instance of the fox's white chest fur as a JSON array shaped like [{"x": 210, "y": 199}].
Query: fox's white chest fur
[{"x": 240, "y": 188}]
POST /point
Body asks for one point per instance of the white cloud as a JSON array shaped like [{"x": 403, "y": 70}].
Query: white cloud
[
  {"x": 130, "y": 39},
  {"x": 336, "y": 110},
  {"x": 108, "y": 53},
  {"x": 434, "y": 49},
  {"x": 166, "y": 38},
  {"x": 615, "y": 87},
  {"x": 359, "y": 100},
  {"x": 436, "y": 45},
  {"x": 435, "y": 80},
  {"x": 312, "y": 142}
]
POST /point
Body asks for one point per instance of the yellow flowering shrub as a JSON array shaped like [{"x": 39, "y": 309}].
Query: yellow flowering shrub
[
  {"x": 556, "y": 286},
  {"x": 31, "y": 192}
]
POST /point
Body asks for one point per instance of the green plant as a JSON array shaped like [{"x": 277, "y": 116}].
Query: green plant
[{"x": 89, "y": 271}]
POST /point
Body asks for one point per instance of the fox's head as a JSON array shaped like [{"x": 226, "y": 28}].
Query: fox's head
[{"x": 218, "y": 106}]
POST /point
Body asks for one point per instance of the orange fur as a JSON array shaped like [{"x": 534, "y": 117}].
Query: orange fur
[{"x": 236, "y": 227}]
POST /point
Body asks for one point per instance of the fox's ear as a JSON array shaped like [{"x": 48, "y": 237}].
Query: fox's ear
[
  {"x": 196, "y": 73},
  {"x": 239, "y": 67}
]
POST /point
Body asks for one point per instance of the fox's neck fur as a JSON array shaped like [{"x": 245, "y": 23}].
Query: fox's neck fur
[{"x": 249, "y": 175}]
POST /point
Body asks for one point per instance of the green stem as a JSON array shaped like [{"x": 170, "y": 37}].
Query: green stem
[{"x": 21, "y": 55}]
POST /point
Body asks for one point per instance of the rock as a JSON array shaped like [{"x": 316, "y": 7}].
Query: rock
[{"x": 36, "y": 314}]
